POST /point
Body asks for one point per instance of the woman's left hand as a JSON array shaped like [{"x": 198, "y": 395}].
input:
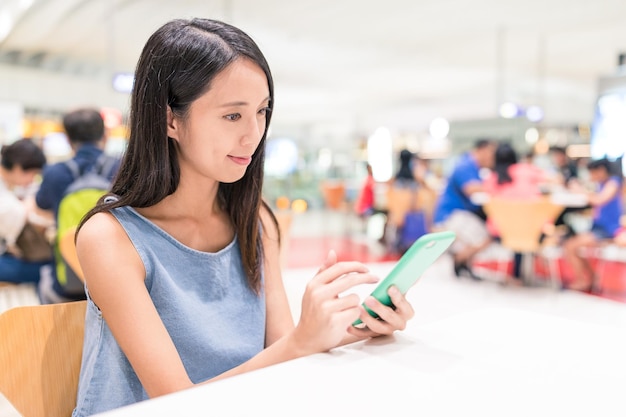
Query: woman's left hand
[{"x": 389, "y": 319}]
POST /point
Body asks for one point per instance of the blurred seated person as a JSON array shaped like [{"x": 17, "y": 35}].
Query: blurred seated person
[
  {"x": 515, "y": 180},
  {"x": 620, "y": 237},
  {"x": 365, "y": 203},
  {"x": 607, "y": 210},
  {"x": 567, "y": 169},
  {"x": 21, "y": 162},
  {"x": 568, "y": 176},
  {"x": 405, "y": 177},
  {"x": 455, "y": 210}
]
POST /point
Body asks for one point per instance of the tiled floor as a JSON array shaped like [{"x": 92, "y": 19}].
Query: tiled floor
[{"x": 438, "y": 295}]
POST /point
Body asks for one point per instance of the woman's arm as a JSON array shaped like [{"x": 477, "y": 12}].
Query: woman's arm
[
  {"x": 325, "y": 316},
  {"x": 279, "y": 321},
  {"x": 115, "y": 276}
]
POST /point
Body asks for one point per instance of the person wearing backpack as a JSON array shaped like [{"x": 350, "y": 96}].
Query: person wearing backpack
[{"x": 86, "y": 133}]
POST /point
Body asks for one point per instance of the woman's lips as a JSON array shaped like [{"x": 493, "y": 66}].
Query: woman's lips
[{"x": 241, "y": 160}]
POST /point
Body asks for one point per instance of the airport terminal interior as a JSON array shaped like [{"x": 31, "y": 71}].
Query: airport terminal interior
[{"x": 503, "y": 122}]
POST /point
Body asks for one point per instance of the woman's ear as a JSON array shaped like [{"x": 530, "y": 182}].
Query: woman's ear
[{"x": 172, "y": 125}]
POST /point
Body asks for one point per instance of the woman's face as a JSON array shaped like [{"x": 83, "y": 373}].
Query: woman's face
[{"x": 225, "y": 125}]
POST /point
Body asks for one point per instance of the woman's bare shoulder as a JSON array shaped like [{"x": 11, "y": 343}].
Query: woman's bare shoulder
[{"x": 103, "y": 224}]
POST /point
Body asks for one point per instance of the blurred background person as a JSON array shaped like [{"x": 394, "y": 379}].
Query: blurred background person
[
  {"x": 607, "y": 210},
  {"x": 456, "y": 211},
  {"x": 513, "y": 179},
  {"x": 21, "y": 162},
  {"x": 405, "y": 177},
  {"x": 566, "y": 168},
  {"x": 86, "y": 133},
  {"x": 405, "y": 220},
  {"x": 365, "y": 201}
]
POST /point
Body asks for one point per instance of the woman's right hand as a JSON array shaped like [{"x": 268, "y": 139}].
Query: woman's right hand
[{"x": 327, "y": 312}]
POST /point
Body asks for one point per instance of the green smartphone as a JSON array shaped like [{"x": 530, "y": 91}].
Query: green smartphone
[{"x": 422, "y": 253}]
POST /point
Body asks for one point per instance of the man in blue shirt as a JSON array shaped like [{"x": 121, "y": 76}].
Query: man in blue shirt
[
  {"x": 457, "y": 212},
  {"x": 86, "y": 134}
]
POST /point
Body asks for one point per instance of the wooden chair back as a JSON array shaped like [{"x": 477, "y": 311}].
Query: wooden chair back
[
  {"x": 521, "y": 222},
  {"x": 40, "y": 354}
]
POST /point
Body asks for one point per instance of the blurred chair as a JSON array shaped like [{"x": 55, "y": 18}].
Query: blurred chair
[
  {"x": 334, "y": 194},
  {"x": 400, "y": 201},
  {"x": 520, "y": 224},
  {"x": 426, "y": 201},
  {"x": 40, "y": 357},
  {"x": 67, "y": 247},
  {"x": 605, "y": 252},
  {"x": 339, "y": 219}
]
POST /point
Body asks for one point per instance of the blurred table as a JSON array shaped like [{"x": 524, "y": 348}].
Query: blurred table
[
  {"x": 562, "y": 198},
  {"x": 488, "y": 362},
  {"x": 569, "y": 199}
]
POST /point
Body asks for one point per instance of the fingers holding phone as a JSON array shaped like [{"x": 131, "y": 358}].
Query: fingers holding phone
[
  {"x": 327, "y": 307},
  {"x": 389, "y": 318}
]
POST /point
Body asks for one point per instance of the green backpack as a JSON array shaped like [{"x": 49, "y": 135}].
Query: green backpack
[{"x": 79, "y": 197}]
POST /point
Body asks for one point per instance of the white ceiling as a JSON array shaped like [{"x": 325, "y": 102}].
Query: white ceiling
[{"x": 353, "y": 65}]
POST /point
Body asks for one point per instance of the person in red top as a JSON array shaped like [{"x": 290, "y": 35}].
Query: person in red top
[
  {"x": 364, "y": 205},
  {"x": 512, "y": 178}
]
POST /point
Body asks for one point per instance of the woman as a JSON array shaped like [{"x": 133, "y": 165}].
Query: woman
[
  {"x": 181, "y": 261},
  {"x": 21, "y": 162}
]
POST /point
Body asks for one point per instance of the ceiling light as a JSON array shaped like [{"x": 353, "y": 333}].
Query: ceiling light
[
  {"x": 531, "y": 136},
  {"x": 534, "y": 113},
  {"x": 439, "y": 128},
  {"x": 509, "y": 110}
]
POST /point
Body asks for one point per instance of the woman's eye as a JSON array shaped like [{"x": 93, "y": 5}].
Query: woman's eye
[
  {"x": 264, "y": 111},
  {"x": 233, "y": 117}
]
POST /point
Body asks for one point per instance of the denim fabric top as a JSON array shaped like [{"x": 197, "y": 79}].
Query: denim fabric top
[{"x": 213, "y": 317}]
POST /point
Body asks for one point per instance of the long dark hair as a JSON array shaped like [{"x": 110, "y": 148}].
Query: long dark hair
[
  {"x": 177, "y": 66},
  {"x": 505, "y": 157}
]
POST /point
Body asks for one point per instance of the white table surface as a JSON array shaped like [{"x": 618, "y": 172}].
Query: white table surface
[{"x": 473, "y": 349}]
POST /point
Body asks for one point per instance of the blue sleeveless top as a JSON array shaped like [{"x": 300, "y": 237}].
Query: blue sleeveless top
[
  {"x": 213, "y": 317},
  {"x": 607, "y": 217}
]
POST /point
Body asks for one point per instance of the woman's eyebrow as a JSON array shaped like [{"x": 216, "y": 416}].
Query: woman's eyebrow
[{"x": 242, "y": 103}]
